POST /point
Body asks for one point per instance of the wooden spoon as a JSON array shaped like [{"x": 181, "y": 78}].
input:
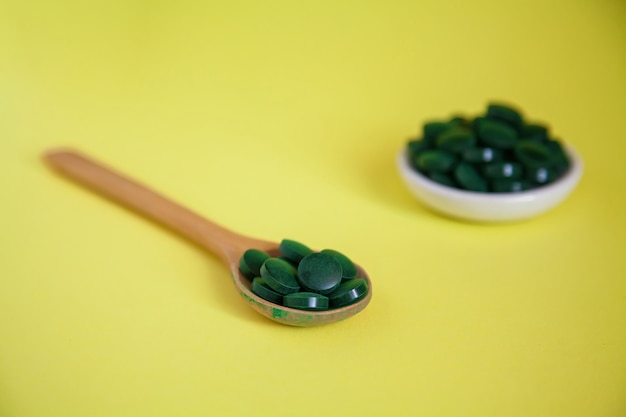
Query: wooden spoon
[{"x": 226, "y": 244}]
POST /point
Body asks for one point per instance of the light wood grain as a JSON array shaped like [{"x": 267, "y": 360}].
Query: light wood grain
[{"x": 222, "y": 242}]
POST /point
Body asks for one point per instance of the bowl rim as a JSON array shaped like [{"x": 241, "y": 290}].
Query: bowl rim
[{"x": 569, "y": 178}]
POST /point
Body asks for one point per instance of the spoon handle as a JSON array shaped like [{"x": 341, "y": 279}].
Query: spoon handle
[{"x": 141, "y": 199}]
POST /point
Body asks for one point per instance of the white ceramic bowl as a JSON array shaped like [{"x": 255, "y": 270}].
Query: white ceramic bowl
[{"x": 490, "y": 207}]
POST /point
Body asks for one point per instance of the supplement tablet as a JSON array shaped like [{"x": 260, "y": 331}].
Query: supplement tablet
[
  {"x": 482, "y": 155},
  {"x": 496, "y": 134},
  {"x": 306, "y": 301},
  {"x": 319, "y": 272},
  {"x": 500, "y": 170},
  {"x": 260, "y": 288},
  {"x": 348, "y": 292},
  {"x": 533, "y": 154},
  {"x": 293, "y": 250},
  {"x": 435, "y": 160},
  {"x": 251, "y": 261},
  {"x": 469, "y": 178},
  {"x": 348, "y": 269},
  {"x": 442, "y": 178},
  {"x": 505, "y": 113},
  {"x": 509, "y": 186},
  {"x": 279, "y": 275},
  {"x": 433, "y": 129},
  {"x": 456, "y": 140},
  {"x": 533, "y": 131}
]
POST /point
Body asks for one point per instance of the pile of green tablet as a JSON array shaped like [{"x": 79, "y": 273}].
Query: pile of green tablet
[
  {"x": 302, "y": 278},
  {"x": 495, "y": 152}
]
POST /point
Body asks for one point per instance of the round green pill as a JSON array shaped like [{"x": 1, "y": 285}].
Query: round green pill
[
  {"x": 416, "y": 146},
  {"x": 482, "y": 155},
  {"x": 498, "y": 170},
  {"x": 459, "y": 120},
  {"x": 542, "y": 175},
  {"x": 468, "y": 177},
  {"x": 245, "y": 271},
  {"x": 319, "y": 272},
  {"x": 496, "y": 134},
  {"x": 432, "y": 129},
  {"x": 456, "y": 140},
  {"x": 561, "y": 160},
  {"x": 260, "y": 288},
  {"x": 509, "y": 186},
  {"x": 348, "y": 292},
  {"x": 348, "y": 269},
  {"x": 443, "y": 179},
  {"x": 293, "y": 250},
  {"x": 505, "y": 113},
  {"x": 533, "y": 153},
  {"x": 251, "y": 261},
  {"x": 534, "y": 131},
  {"x": 279, "y": 275},
  {"x": 306, "y": 301},
  {"x": 476, "y": 121},
  {"x": 435, "y": 160}
]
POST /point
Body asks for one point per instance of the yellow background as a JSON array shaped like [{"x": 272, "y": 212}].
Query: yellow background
[{"x": 282, "y": 119}]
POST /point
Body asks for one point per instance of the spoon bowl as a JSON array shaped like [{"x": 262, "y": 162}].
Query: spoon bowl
[{"x": 222, "y": 242}]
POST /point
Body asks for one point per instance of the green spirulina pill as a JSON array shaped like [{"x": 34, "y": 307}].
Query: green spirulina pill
[
  {"x": 456, "y": 140},
  {"x": 279, "y": 275},
  {"x": 319, "y": 272},
  {"x": 432, "y": 129},
  {"x": 533, "y": 153},
  {"x": 416, "y": 146},
  {"x": 260, "y": 288},
  {"x": 306, "y": 301},
  {"x": 561, "y": 160},
  {"x": 348, "y": 292},
  {"x": 348, "y": 269},
  {"x": 499, "y": 170},
  {"x": 534, "y": 131},
  {"x": 435, "y": 160},
  {"x": 509, "y": 186},
  {"x": 497, "y": 134},
  {"x": 293, "y": 250},
  {"x": 482, "y": 155},
  {"x": 459, "y": 120},
  {"x": 541, "y": 175},
  {"x": 469, "y": 178},
  {"x": 476, "y": 121},
  {"x": 505, "y": 113},
  {"x": 251, "y": 261},
  {"x": 442, "y": 178}
]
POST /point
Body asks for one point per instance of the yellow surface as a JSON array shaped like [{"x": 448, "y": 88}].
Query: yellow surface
[{"x": 281, "y": 119}]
